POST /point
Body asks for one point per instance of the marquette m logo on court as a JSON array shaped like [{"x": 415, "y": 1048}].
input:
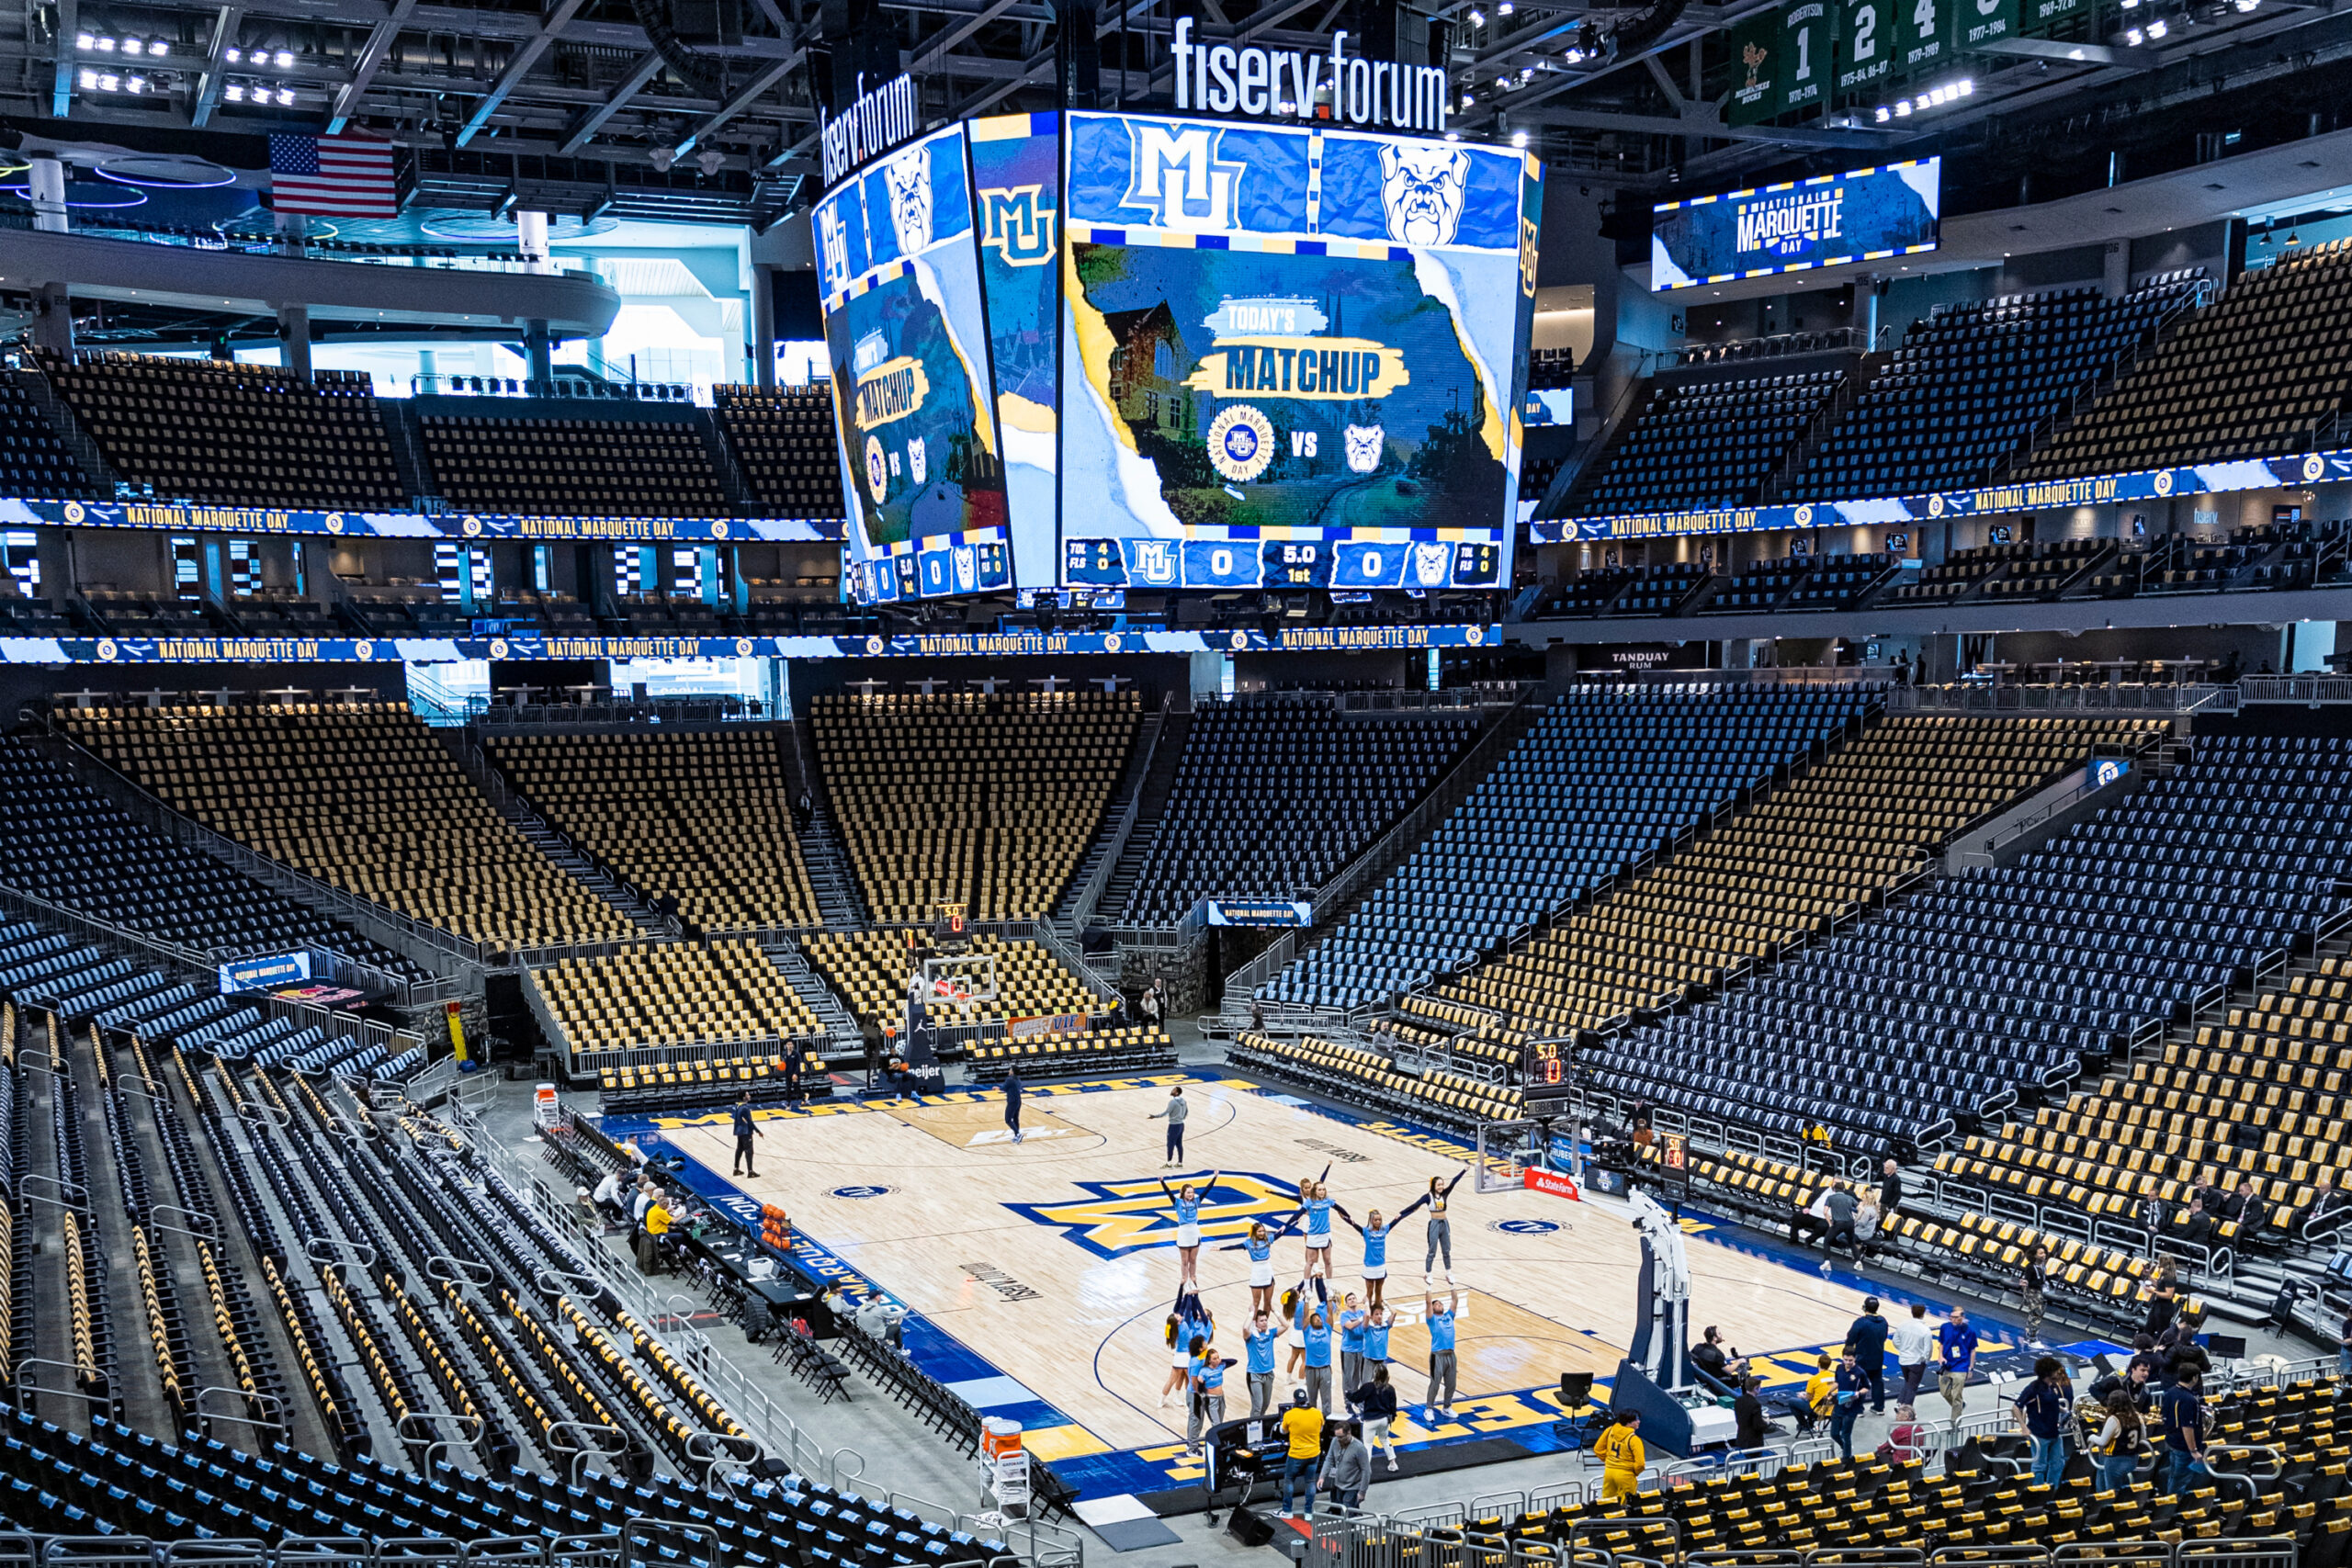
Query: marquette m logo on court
[{"x": 1120, "y": 1217}]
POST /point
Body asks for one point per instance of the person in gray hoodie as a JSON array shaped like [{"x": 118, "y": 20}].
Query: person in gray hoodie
[{"x": 1347, "y": 1469}]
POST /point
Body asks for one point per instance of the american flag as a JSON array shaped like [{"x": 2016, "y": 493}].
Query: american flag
[{"x": 332, "y": 176}]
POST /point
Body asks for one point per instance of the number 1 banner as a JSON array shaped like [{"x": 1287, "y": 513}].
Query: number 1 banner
[{"x": 1803, "y": 67}]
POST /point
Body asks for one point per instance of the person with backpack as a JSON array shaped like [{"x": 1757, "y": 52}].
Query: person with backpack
[{"x": 2122, "y": 1440}]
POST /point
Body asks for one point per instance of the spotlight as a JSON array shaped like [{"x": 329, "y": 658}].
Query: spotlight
[
  {"x": 234, "y": 55},
  {"x": 285, "y": 97},
  {"x": 2158, "y": 28},
  {"x": 1902, "y": 109},
  {"x": 157, "y": 48},
  {"x": 234, "y": 92},
  {"x": 285, "y": 59},
  {"x": 2134, "y": 37},
  {"x": 1885, "y": 113},
  {"x": 1469, "y": 102},
  {"x": 86, "y": 41},
  {"x": 662, "y": 158},
  {"x": 1575, "y": 56},
  {"x": 1967, "y": 87},
  {"x": 1453, "y": 136},
  {"x": 1519, "y": 139},
  {"x": 2294, "y": 236},
  {"x": 2247, "y": 4},
  {"x": 109, "y": 82},
  {"x": 89, "y": 79},
  {"x": 1478, "y": 18},
  {"x": 135, "y": 46},
  {"x": 106, "y": 44},
  {"x": 1505, "y": 9},
  {"x": 136, "y": 83},
  {"x": 1503, "y": 84},
  {"x": 711, "y": 161}
]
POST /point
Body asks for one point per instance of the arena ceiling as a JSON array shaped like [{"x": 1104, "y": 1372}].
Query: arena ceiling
[{"x": 595, "y": 107}]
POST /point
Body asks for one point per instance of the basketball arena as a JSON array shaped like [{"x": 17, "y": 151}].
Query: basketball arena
[{"x": 978, "y": 785}]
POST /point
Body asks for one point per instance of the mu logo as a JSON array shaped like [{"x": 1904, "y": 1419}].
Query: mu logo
[
  {"x": 1179, "y": 178},
  {"x": 1013, "y": 221},
  {"x": 1121, "y": 1217}
]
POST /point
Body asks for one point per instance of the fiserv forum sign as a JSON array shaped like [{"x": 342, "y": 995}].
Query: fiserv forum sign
[{"x": 1294, "y": 84}]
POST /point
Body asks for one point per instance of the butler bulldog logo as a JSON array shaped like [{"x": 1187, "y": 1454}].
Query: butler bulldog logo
[
  {"x": 918, "y": 460},
  {"x": 1363, "y": 447},
  {"x": 1420, "y": 188},
  {"x": 1119, "y": 1217},
  {"x": 1429, "y": 564},
  {"x": 908, "y": 177}
]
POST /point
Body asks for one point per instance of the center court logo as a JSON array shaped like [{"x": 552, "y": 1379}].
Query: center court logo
[{"x": 1120, "y": 1217}]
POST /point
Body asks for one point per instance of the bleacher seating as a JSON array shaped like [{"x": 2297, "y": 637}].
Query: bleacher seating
[
  {"x": 34, "y": 463},
  {"x": 723, "y": 993},
  {"x": 233, "y": 434},
  {"x": 1588, "y": 594},
  {"x": 1605, "y": 779},
  {"x": 1124, "y": 1048},
  {"x": 1821, "y": 848},
  {"x": 701, "y": 815},
  {"x": 1943, "y": 1010},
  {"x": 1761, "y": 584},
  {"x": 2046, "y": 569},
  {"x": 1358, "y": 1074},
  {"x": 361, "y": 795},
  {"x": 62, "y": 841},
  {"x": 1957, "y": 575},
  {"x": 1662, "y": 589},
  {"x": 1273, "y": 796},
  {"x": 783, "y": 443},
  {"x": 2259, "y": 373},
  {"x": 1972, "y": 382},
  {"x": 1709, "y": 444},
  {"x": 1840, "y": 581},
  {"x": 572, "y": 467},
  {"x": 277, "y": 613},
  {"x": 869, "y": 971},
  {"x": 2248, "y": 1098},
  {"x": 987, "y": 800},
  {"x": 660, "y": 1088}
]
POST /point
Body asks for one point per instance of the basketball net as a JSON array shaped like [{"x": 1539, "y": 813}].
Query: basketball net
[{"x": 956, "y": 995}]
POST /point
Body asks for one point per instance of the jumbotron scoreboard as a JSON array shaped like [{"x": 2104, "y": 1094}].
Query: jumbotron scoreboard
[{"x": 1108, "y": 350}]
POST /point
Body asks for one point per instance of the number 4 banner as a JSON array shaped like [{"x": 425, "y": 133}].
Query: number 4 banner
[{"x": 1923, "y": 28}]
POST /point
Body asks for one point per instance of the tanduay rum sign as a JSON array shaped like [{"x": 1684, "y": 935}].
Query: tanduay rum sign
[{"x": 1291, "y": 83}]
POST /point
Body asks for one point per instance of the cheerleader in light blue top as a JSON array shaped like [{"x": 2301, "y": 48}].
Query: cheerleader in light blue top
[
  {"x": 1260, "y": 1245},
  {"x": 1375, "y": 1231},
  {"x": 1187, "y": 1200},
  {"x": 1315, "y": 1201}
]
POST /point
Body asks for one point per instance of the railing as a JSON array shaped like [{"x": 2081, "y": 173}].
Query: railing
[
  {"x": 2176, "y": 700},
  {"x": 191, "y": 239},
  {"x": 1089, "y": 895},
  {"x": 680, "y": 712},
  {"x": 1779, "y": 346},
  {"x": 2312, "y": 690},
  {"x": 2033, "y": 821},
  {"x": 1784, "y": 675}
]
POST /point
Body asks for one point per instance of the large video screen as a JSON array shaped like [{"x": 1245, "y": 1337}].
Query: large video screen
[
  {"x": 906, "y": 331},
  {"x": 1827, "y": 222},
  {"x": 1016, "y": 192},
  {"x": 1289, "y": 356}
]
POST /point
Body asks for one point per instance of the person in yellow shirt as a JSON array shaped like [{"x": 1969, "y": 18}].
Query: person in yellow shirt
[
  {"x": 649, "y": 1242},
  {"x": 1821, "y": 1390},
  {"x": 1303, "y": 1425},
  {"x": 1621, "y": 1456}
]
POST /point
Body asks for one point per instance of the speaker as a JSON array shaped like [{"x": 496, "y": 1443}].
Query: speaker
[{"x": 1248, "y": 1528}]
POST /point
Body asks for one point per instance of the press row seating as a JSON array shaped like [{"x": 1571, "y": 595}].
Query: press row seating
[{"x": 668, "y": 1088}]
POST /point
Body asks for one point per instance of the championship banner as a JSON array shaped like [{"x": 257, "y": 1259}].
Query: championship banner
[
  {"x": 102, "y": 651},
  {"x": 2149, "y": 484},
  {"x": 187, "y": 517},
  {"x": 1045, "y": 1026}
]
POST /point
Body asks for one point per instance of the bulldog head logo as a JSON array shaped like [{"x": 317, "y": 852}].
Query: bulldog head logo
[
  {"x": 918, "y": 460},
  {"x": 1420, "y": 189},
  {"x": 1429, "y": 563},
  {"x": 1363, "y": 448},
  {"x": 908, "y": 177}
]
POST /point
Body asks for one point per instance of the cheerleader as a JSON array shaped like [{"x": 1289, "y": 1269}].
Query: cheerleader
[
  {"x": 1189, "y": 1327},
  {"x": 1440, "y": 1229},
  {"x": 1188, "y": 1230},
  {"x": 1296, "y": 1306},
  {"x": 1315, "y": 1200},
  {"x": 1376, "y": 1325},
  {"x": 1352, "y": 1322},
  {"x": 1260, "y": 1245},
  {"x": 1375, "y": 1231}
]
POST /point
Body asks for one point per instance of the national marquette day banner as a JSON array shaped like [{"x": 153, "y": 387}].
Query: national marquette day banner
[
  {"x": 1276, "y": 340},
  {"x": 1827, "y": 221}
]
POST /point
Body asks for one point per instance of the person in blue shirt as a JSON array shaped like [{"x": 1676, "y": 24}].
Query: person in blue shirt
[
  {"x": 2043, "y": 1410},
  {"x": 1260, "y": 1245},
  {"x": 1208, "y": 1393},
  {"x": 1315, "y": 1202},
  {"x": 1441, "y": 1368},
  {"x": 1853, "y": 1387},
  {"x": 745, "y": 1131},
  {"x": 1012, "y": 1102},
  {"x": 1351, "y": 1320},
  {"x": 1375, "y": 1231},
  {"x": 1956, "y": 1343},
  {"x": 1376, "y": 1338},
  {"x": 1191, "y": 1316},
  {"x": 1317, "y": 1334},
  {"x": 2184, "y": 1423},
  {"x": 1258, "y": 1345},
  {"x": 1188, "y": 1228}
]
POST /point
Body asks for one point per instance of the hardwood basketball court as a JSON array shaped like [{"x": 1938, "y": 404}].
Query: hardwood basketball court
[{"x": 1053, "y": 1259}]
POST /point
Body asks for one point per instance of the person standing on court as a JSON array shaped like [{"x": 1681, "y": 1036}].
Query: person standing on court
[
  {"x": 1915, "y": 1346},
  {"x": 1441, "y": 1368},
  {"x": 1175, "y": 1110},
  {"x": 1209, "y": 1397},
  {"x": 1347, "y": 1469},
  {"x": 1957, "y": 1341},
  {"x": 1621, "y": 1456},
  {"x": 1846, "y": 1402},
  {"x": 1012, "y": 1102},
  {"x": 1303, "y": 1425},
  {"x": 1317, "y": 1334},
  {"x": 1866, "y": 1339},
  {"x": 1260, "y": 1343},
  {"x": 745, "y": 1131}
]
